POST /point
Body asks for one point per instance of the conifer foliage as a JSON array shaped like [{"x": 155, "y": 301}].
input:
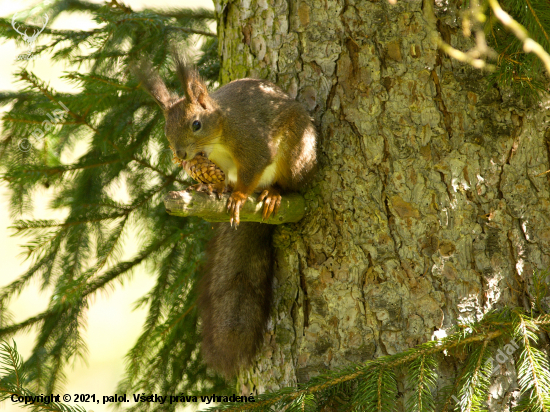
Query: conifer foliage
[
  {"x": 116, "y": 185},
  {"x": 515, "y": 68},
  {"x": 372, "y": 386}
]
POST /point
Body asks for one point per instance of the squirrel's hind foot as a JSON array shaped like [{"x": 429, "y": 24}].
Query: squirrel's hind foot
[
  {"x": 234, "y": 204},
  {"x": 272, "y": 202}
]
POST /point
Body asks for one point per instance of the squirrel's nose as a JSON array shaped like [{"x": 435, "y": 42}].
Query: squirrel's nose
[{"x": 181, "y": 154}]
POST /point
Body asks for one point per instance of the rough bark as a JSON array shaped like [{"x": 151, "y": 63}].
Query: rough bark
[{"x": 429, "y": 205}]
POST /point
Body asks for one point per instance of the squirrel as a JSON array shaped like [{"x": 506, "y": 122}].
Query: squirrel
[{"x": 263, "y": 140}]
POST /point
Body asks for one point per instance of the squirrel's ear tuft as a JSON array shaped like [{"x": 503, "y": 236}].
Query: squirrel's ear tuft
[
  {"x": 193, "y": 86},
  {"x": 152, "y": 83}
]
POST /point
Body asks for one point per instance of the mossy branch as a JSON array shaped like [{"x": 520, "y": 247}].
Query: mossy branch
[{"x": 212, "y": 209}]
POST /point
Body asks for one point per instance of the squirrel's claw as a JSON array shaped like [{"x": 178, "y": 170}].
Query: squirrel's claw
[
  {"x": 199, "y": 187},
  {"x": 234, "y": 204},
  {"x": 217, "y": 189},
  {"x": 272, "y": 202}
]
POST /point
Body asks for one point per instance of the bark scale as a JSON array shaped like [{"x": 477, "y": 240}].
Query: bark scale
[{"x": 429, "y": 205}]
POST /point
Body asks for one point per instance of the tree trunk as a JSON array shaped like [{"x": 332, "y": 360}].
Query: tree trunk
[{"x": 429, "y": 206}]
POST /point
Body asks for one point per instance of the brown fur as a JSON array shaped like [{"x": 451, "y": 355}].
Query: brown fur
[
  {"x": 236, "y": 295},
  {"x": 247, "y": 126}
]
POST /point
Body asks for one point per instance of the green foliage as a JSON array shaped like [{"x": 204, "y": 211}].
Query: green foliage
[
  {"x": 13, "y": 382},
  {"x": 422, "y": 377},
  {"x": 121, "y": 130},
  {"x": 475, "y": 380},
  {"x": 533, "y": 367},
  {"x": 515, "y": 68},
  {"x": 377, "y": 390},
  {"x": 372, "y": 386}
]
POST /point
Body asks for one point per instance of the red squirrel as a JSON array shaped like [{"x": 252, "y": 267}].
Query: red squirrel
[{"x": 263, "y": 140}]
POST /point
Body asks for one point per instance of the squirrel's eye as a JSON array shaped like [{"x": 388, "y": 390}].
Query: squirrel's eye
[{"x": 196, "y": 125}]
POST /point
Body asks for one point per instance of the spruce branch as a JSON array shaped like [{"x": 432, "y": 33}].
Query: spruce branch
[
  {"x": 155, "y": 169},
  {"x": 192, "y": 31},
  {"x": 92, "y": 286},
  {"x": 42, "y": 88},
  {"x": 23, "y": 226},
  {"x": 22, "y": 172},
  {"x": 110, "y": 247},
  {"x": 123, "y": 131},
  {"x": 377, "y": 382},
  {"x": 17, "y": 285},
  {"x": 11, "y": 383},
  {"x": 423, "y": 378},
  {"x": 376, "y": 385},
  {"x": 459, "y": 339},
  {"x": 465, "y": 57},
  {"x": 5, "y": 23},
  {"x": 124, "y": 267},
  {"x": 89, "y": 78},
  {"x": 519, "y": 42},
  {"x": 533, "y": 366},
  {"x": 476, "y": 380},
  {"x": 11, "y": 363},
  {"x": 8, "y": 118},
  {"x": 529, "y": 45},
  {"x": 451, "y": 392},
  {"x": 26, "y": 324},
  {"x": 542, "y": 28},
  {"x": 187, "y": 14}
]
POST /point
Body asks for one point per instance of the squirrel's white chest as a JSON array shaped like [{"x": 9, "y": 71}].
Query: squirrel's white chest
[
  {"x": 223, "y": 159},
  {"x": 268, "y": 176}
]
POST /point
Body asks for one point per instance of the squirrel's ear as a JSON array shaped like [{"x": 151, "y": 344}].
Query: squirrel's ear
[
  {"x": 194, "y": 88},
  {"x": 152, "y": 83}
]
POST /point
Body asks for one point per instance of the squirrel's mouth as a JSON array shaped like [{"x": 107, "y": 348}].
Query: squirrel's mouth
[{"x": 185, "y": 163}]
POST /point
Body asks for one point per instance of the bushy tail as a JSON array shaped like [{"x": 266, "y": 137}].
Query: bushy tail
[{"x": 236, "y": 295}]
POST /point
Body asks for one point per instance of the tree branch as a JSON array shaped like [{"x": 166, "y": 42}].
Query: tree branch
[
  {"x": 211, "y": 209},
  {"x": 529, "y": 45}
]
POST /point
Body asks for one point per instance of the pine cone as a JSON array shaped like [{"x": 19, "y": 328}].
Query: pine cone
[{"x": 202, "y": 169}]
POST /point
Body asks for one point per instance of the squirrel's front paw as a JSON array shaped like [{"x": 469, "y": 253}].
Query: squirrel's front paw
[
  {"x": 200, "y": 187},
  {"x": 216, "y": 188},
  {"x": 272, "y": 202},
  {"x": 234, "y": 204}
]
